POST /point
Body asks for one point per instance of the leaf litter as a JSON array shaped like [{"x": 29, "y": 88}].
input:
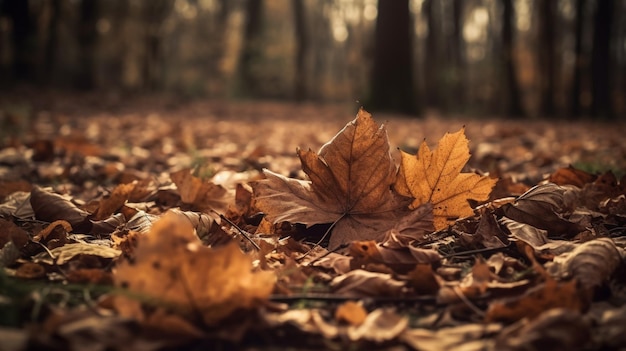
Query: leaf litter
[{"x": 365, "y": 247}]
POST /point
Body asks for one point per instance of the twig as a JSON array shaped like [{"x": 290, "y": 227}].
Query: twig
[
  {"x": 472, "y": 252},
  {"x": 241, "y": 231},
  {"x": 322, "y": 239}
]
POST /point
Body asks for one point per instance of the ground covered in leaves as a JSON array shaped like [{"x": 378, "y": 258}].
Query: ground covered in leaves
[{"x": 155, "y": 224}]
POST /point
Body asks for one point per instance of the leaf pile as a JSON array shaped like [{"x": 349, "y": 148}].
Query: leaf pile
[{"x": 363, "y": 251}]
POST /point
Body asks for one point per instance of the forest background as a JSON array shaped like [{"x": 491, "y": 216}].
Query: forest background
[{"x": 516, "y": 58}]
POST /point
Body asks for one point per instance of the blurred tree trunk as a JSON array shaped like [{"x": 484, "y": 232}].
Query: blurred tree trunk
[
  {"x": 50, "y": 51},
  {"x": 302, "y": 48},
  {"x": 547, "y": 55},
  {"x": 456, "y": 54},
  {"x": 579, "y": 63},
  {"x": 22, "y": 39},
  {"x": 513, "y": 107},
  {"x": 432, "y": 58},
  {"x": 87, "y": 37},
  {"x": 392, "y": 87},
  {"x": 248, "y": 82},
  {"x": 154, "y": 14},
  {"x": 601, "y": 60}
]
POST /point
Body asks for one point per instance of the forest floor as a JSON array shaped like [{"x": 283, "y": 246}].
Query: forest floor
[{"x": 75, "y": 272}]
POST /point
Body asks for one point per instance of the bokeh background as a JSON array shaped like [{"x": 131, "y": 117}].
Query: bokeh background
[{"x": 512, "y": 58}]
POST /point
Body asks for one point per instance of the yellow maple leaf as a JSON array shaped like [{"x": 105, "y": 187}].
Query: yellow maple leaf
[{"x": 435, "y": 177}]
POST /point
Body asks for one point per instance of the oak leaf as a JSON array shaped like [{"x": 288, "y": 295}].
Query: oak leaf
[
  {"x": 350, "y": 186},
  {"x": 435, "y": 177}
]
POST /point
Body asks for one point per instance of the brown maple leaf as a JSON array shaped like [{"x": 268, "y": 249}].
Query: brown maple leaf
[
  {"x": 435, "y": 177},
  {"x": 350, "y": 186}
]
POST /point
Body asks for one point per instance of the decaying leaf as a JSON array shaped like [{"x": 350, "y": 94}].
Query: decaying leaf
[
  {"x": 591, "y": 263},
  {"x": 171, "y": 266},
  {"x": 351, "y": 313},
  {"x": 554, "y": 329},
  {"x": 67, "y": 252},
  {"x": 50, "y": 207},
  {"x": 571, "y": 176},
  {"x": 401, "y": 259},
  {"x": 542, "y": 207},
  {"x": 200, "y": 194},
  {"x": 547, "y": 295},
  {"x": 435, "y": 177},
  {"x": 361, "y": 283},
  {"x": 349, "y": 185},
  {"x": 114, "y": 201}
]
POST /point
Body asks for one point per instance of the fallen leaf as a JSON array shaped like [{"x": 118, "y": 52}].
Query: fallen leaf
[
  {"x": 351, "y": 313},
  {"x": 547, "y": 295},
  {"x": 435, "y": 177},
  {"x": 201, "y": 194},
  {"x": 349, "y": 186},
  {"x": 50, "y": 207},
  {"x": 68, "y": 252},
  {"x": 571, "y": 176},
  {"x": 554, "y": 329},
  {"x": 541, "y": 207},
  {"x": 401, "y": 260},
  {"x": 466, "y": 337},
  {"x": 591, "y": 263},
  {"x": 361, "y": 283},
  {"x": 380, "y": 325},
  {"x": 114, "y": 201},
  {"x": 171, "y": 266}
]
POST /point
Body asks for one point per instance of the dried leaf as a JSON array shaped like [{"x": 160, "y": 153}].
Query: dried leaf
[
  {"x": 571, "y": 176},
  {"x": 547, "y": 295},
  {"x": 50, "y": 207},
  {"x": 554, "y": 329},
  {"x": 349, "y": 185},
  {"x": 114, "y": 201},
  {"x": 401, "y": 260},
  {"x": 202, "y": 195},
  {"x": 360, "y": 283},
  {"x": 379, "y": 326},
  {"x": 591, "y": 263},
  {"x": 351, "y": 313},
  {"x": 171, "y": 266},
  {"x": 541, "y": 207},
  {"x": 68, "y": 252},
  {"x": 436, "y": 177}
]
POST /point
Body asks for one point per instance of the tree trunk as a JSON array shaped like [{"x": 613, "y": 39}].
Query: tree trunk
[
  {"x": 432, "y": 59},
  {"x": 21, "y": 38},
  {"x": 154, "y": 14},
  {"x": 601, "y": 60},
  {"x": 87, "y": 37},
  {"x": 579, "y": 63},
  {"x": 547, "y": 53},
  {"x": 248, "y": 83},
  {"x": 456, "y": 52},
  {"x": 392, "y": 80},
  {"x": 513, "y": 106},
  {"x": 50, "y": 53},
  {"x": 302, "y": 47}
]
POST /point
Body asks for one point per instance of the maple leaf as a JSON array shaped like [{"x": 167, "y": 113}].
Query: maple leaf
[
  {"x": 350, "y": 185},
  {"x": 172, "y": 266},
  {"x": 435, "y": 177}
]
